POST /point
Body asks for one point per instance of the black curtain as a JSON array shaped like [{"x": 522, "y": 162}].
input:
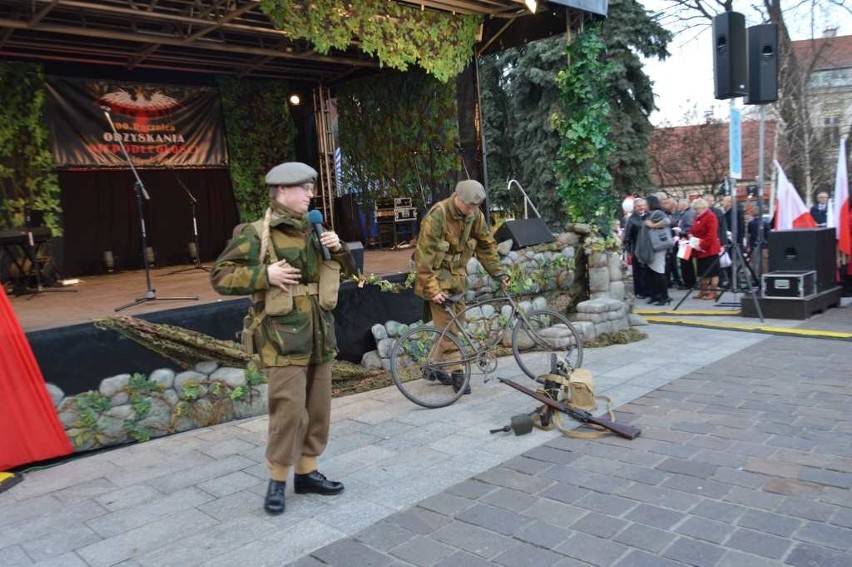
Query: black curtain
[{"x": 100, "y": 213}]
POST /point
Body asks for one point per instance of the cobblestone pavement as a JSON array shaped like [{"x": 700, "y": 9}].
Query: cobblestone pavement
[{"x": 745, "y": 459}]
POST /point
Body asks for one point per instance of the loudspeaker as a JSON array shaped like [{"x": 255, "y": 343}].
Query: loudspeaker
[
  {"x": 524, "y": 232},
  {"x": 762, "y": 64},
  {"x": 729, "y": 55},
  {"x": 802, "y": 250},
  {"x": 356, "y": 249}
]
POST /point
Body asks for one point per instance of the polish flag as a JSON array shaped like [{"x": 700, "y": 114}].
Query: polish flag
[
  {"x": 839, "y": 216},
  {"x": 790, "y": 212}
]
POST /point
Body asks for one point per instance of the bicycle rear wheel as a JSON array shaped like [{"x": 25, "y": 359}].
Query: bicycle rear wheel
[
  {"x": 419, "y": 373},
  {"x": 542, "y": 334}
]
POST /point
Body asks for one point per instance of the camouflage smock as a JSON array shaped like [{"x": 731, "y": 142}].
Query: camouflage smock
[
  {"x": 443, "y": 252},
  {"x": 305, "y": 335}
]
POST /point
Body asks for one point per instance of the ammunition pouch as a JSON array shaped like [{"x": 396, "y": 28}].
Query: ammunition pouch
[
  {"x": 329, "y": 284},
  {"x": 278, "y": 301},
  {"x": 250, "y": 324}
]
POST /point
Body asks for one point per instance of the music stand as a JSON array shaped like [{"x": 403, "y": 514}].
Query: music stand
[
  {"x": 32, "y": 252},
  {"x": 197, "y": 260},
  {"x": 139, "y": 189}
]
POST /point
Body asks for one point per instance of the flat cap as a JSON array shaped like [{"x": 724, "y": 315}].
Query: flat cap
[
  {"x": 291, "y": 173},
  {"x": 470, "y": 192}
]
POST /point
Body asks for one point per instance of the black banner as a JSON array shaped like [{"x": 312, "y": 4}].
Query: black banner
[{"x": 159, "y": 125}]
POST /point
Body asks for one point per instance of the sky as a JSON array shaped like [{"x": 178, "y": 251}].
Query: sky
[{"x": 683, "y": 83}]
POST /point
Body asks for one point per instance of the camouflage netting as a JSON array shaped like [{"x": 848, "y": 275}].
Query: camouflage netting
[{"x": 182, "y": 346}]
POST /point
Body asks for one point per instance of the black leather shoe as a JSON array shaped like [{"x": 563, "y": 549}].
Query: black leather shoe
[
  {"x": 458, "y": 380},
  {"x": 316, "y": 483},
  {"x": 439, "y": 376},
  {"x": 274, "y": 503}
]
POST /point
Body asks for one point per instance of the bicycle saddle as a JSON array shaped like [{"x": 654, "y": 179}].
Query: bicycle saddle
[{"x": 455, "y": 298}]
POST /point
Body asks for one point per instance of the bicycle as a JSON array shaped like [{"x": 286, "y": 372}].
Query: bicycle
[{"x": 422, "y": 372}]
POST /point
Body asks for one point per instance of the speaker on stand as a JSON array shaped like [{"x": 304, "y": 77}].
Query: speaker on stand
[
  {"x": 524, "y": 232},
  {"x": 762, "y": 64},
  {"x": 729, "y": 55},
  {"x": 804, "y": 250}
]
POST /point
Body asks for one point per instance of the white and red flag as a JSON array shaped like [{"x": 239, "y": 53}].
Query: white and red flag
[
  {"x": 838, "y": 215},
  {"x": 790, "y": 211}
]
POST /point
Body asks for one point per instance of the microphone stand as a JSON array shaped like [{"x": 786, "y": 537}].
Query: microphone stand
[
  {"x": 197, "y": 260},
  {"x": 32, "y": 252},
  {"x": 139, "y": 189}
]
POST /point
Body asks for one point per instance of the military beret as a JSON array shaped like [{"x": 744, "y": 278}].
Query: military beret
[
  {"x": 470, "y": 192},
  {"x": 291, "y": 173}
]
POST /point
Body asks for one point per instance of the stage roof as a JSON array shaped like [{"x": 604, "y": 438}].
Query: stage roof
[{"x": 231, "y": 37}]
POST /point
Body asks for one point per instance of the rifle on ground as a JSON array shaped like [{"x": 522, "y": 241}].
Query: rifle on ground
[{"x": 626, "y": 431}]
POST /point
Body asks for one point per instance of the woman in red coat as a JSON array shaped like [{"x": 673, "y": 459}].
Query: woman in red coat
[{"x": 706, "y": 229}]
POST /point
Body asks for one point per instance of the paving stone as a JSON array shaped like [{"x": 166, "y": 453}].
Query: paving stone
[
  {"x": 808, "y": 555},
  {"x": 704, "y": 529},
  {"x": 307, "y": 561},
  {"x": 828, "y": 478},
  {"x": 422, "y": 551},
  {"x": 605, "y": 503},
  {"x": 346, "y": 553},
  {"x": 638, "y": 558},
  {"x": 720, "y": 458},
  {"x": 734, "y": 558},
  {"x": 720, "y": 511},
  {"x": 14, "y": 556},
  {"x": 599, "y": 525},
  {"x": 655, "y": 516},
  {"x": 645, "y": 537},
  {"x": 770, "y": 523},
  {"x": 127, "y": 497},
  {"x": 791, "y": 487},
  {"x": 69, "y": 517},
  {"x": 59, "y": 542},
  {"x": 524, "y": 555},
  {"x": 592, "y": 549},
  {"x": 419, "y": 520},
  {"x": 484, "y": 543},
  {"x": 826, "y": 535},
  {"x": 842, "y": 517},
  {"x": 753, "y": 498},
  {"x": 446, "y": 503},
  {"x": 509, "y": 499},
  {"x": 675, "y": 450},
  {"x": 641, "y": 474},
  {"x": 664, "y": 497},
  {"x": 693, "y": 552},
  {"x": 698, "y": 486},
  {"x": 555, "y": 513},
  {"x": 759, "y": 543},
  {"x": 513, "y": 479},
  {"x": 740, "y": 478},
  {"x": 688, "y": 468},
  {"x": 384, "y": 535},
  {"x": 526, "y": 465},
  {"x": 542, "y": 534},
  {"x": 551, "y": 455},
  {"x": 462, "y": 559},
  {"x": 564, "y": 492},
  {"x": 495, "y": 519},
  {"x": 127, "y": 519}
]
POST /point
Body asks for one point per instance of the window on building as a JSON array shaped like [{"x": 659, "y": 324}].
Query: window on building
[{"x": 831, "y": 130}]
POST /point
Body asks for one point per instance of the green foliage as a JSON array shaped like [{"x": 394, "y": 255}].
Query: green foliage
[
  {"x": 239, "y": 393},
  {"x": 260, "y": 134},
  {"x": 385, "y": 285},
  {"x": 137, "y": 432},
  {"x": 584, "y": 127},
  {"x": 398, "y": 145},
  {"x": 254, "y": 376},
  {"x": 27, "y": 176},
  {"x": 139, "y": 383},
  {"x": 399, "y": 35},
  {"x": 191, "y": 390},
  {"x": 630, "y": 32},
  {"x": 93, "y": 400},
  {"x": 522, "y": 282}
]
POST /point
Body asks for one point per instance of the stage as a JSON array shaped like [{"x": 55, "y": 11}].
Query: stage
[{"x": 99, "y": 296}]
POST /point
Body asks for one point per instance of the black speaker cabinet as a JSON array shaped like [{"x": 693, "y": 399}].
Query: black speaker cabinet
[
  {"x": 729, "y": 55},
  {"x": 524, "y": 232},
  {"x": 803, "y": 250},
  {"x": 762, "y": 64}
]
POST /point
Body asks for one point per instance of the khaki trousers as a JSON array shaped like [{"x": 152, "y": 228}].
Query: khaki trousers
[
  {"x": 447, "y": 351},
  {"x": 299, "y": 412}
]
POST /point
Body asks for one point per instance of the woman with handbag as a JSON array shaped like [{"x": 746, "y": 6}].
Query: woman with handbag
[
  {"x": 706, "y": 247},
  {"x": 658, "y": 231}
]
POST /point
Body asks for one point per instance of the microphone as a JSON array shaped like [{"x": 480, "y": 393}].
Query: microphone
[{"x": 315, "y": 220}]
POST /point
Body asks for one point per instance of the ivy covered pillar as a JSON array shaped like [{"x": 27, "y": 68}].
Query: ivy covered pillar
[{"x": 470, "y": 136}]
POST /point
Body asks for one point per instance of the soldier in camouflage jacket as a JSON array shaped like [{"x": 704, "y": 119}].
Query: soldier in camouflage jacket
[
  {"x": 278, "y": 261},
  {"x": 450, "y": 234}
]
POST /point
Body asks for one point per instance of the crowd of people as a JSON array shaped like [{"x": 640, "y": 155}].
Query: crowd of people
[{"x": 672, "y": 225}]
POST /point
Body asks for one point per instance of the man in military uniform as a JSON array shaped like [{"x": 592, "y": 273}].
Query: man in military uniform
[
  {"x": 450, "y": 234},
  {"x": 278, "y": 260}
]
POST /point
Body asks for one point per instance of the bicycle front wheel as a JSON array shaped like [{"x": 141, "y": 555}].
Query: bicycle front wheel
[
  {"x": 539, "y": 335},
  {"x": 422, "y": 368}
]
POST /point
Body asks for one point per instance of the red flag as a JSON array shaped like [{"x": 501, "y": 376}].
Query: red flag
[
  {"x": 791, "y": 212},
  {"x": 841, "y": 220}
]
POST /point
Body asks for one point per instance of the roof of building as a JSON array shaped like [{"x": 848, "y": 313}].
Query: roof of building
[
  {"x": 697, "y": 155},
  {"x": 829, "y": 52}
]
